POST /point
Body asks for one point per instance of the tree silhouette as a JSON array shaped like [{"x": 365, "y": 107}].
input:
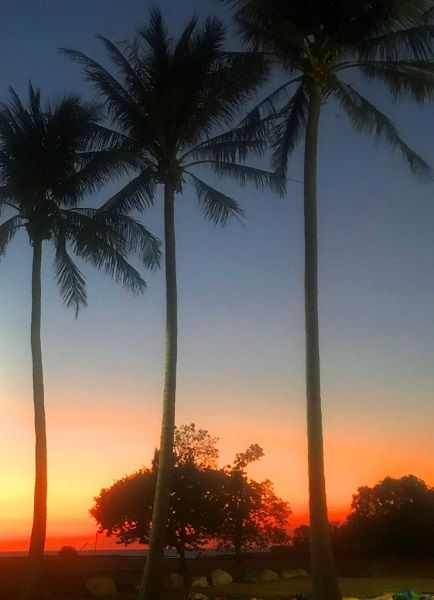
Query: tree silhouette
[
  {"x": 207, "y": 504},
  {"x": 169, "y": 101},
  {"x": 253, "y": 515},
  {"x": 315, "y": 42},
  {"x": 50, "y": 158},
  {"x": 394, "y": 518}
]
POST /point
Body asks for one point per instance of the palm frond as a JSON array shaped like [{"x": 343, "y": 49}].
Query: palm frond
[
  {"x": 127, "y": 64},
  {"x": 7, "y": 231},
  {"x": 216, "y": 206},
  {"x": 138, "y": 194},
  {"x": 156, "y": 36},
  {"x": 6, "y": 198},
  {"x": 94, "y": 169},
  {"x": 230, "y": 81},
  {"x": 120, "y": 104},
  {"x": 234, "y": 145},
  {"x": 288, "y": 130},
  {"x": 112, "y": 261},
  {"x": 270, "y": 105},
  {"x": 415, "y": 43},
  {"x": 262, "y": 179},
  {"x": 71, "y": 281},
  {"x": 366, "y": 118},
  {"x": 137, "y": 239},
  {"x": 415, "y": 79}
]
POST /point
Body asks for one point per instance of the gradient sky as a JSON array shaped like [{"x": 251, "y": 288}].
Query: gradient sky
[{"x": 241, "y": 358}]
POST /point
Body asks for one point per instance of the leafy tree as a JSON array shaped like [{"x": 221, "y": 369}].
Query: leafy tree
[
  {"x": 125, "y": 509},
  {"x": 394, "y": 518},
  {"x": 170, "y": 101},
  {"x": 253, "y": 517},
  {"x": 49, "y": 161},
  {"x": 316, "y": 42},
  {"x": 206, "y": 504},
  {"x": 195, "y": 446}
]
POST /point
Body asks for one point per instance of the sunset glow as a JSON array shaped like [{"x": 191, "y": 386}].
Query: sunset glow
[{"x": 241, "y": 359}]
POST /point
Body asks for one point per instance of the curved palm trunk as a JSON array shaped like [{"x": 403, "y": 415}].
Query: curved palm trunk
[
  {"x": 152, "y": 578},
  {"x": 325, "y": 584},
  {"x": 37, "y": 540}
]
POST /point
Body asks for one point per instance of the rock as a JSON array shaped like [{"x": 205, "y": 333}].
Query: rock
[
  {"x": 292, "y": 574},
  {"x": 101, "y": 587},
  {"x": 251, "y": 576},
  {"x": 199, "y": 581},
  {"x": 197, "y": 596},
  {"x": 269, "y": 575},
  {"x": 220, "y": 577},
  {"x": 302, "y": 574},
  {"x": 174, "y": 581}
]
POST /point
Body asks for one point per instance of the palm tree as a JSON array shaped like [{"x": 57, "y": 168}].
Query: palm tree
[
  {"x": 48, "y": 162},
  {"x": 315, "y": 42},
  {"x": 169, "y": 101}
]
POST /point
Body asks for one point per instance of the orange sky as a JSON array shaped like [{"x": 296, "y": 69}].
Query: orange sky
[{"x": 90, "y": 448}]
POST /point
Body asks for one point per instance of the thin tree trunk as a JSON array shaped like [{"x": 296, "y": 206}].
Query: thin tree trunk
[
  {"x": 152, "y": 577},
  {"x": 325, "y": 583},
  {"x": 37, "y": 540},
  {"x": 31, "y": 584}
]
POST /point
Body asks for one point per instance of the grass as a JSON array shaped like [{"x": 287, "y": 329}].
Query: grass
[{"x": 352, "y": 587}]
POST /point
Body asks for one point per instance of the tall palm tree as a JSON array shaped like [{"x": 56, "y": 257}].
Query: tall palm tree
[
  {"x": 170, "y": 102},
  {"x": 316, "y": 42},
  {"x": 48, "y": 162}
]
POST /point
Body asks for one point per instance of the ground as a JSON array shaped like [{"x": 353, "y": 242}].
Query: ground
[{"x": 65, "y": 578}]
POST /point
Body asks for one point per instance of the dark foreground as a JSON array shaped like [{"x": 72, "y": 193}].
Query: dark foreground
[{"x": 65, "y": 578}]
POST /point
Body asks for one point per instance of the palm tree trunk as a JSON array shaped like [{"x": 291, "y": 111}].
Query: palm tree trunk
[
  {"x": 37, "y": 540},
  {"x": 152, "y": 578},
  {"x": 325, "y": 583}
]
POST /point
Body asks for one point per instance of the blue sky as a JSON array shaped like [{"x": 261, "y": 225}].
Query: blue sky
[{"x": 240, "y": 298}]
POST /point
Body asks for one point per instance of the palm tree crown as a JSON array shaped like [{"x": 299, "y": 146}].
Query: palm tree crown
[
  {"x": 50, "y": 158},
  {"x": 389, "y": 41},
  {"x": 167, "y": 103}
]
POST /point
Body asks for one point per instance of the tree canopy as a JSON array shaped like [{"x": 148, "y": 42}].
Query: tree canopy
[
  {"x": 394, "y": 518},
  {"x": 207, "y": 505}
]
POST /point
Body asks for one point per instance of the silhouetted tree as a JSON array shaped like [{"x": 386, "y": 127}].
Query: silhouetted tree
[
  {"x": 168, "y": 100},
  {"x": 195, "y": 446},
  {"x": 394, "y": 518},
  {"x": 196, "y": 502},
  {"x": 50, "y": 158},
  {"x": 207, "y": 505},
  {"x": 315, "y": 42},
  {"x": 253, "y": 515}
]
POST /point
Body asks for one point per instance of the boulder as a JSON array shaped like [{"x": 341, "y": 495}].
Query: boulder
[
  {"x": 199, "y": 581},
  {"x": 101, "y": 587},
  {"x": 269, "y": 575},
  {"x": 290, "y": 574},
  {"x": 294, "y": 574},
  {"x": 174, "y": 581},
  {"x": 302, "y": 574},
  {"x": 251, "y": 576},
  {"x": 220, "y": 577},
  {"x": 197, "y": 596}
]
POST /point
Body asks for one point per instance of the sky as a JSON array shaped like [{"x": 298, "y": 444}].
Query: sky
[{"x": 241, "y": 328}]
